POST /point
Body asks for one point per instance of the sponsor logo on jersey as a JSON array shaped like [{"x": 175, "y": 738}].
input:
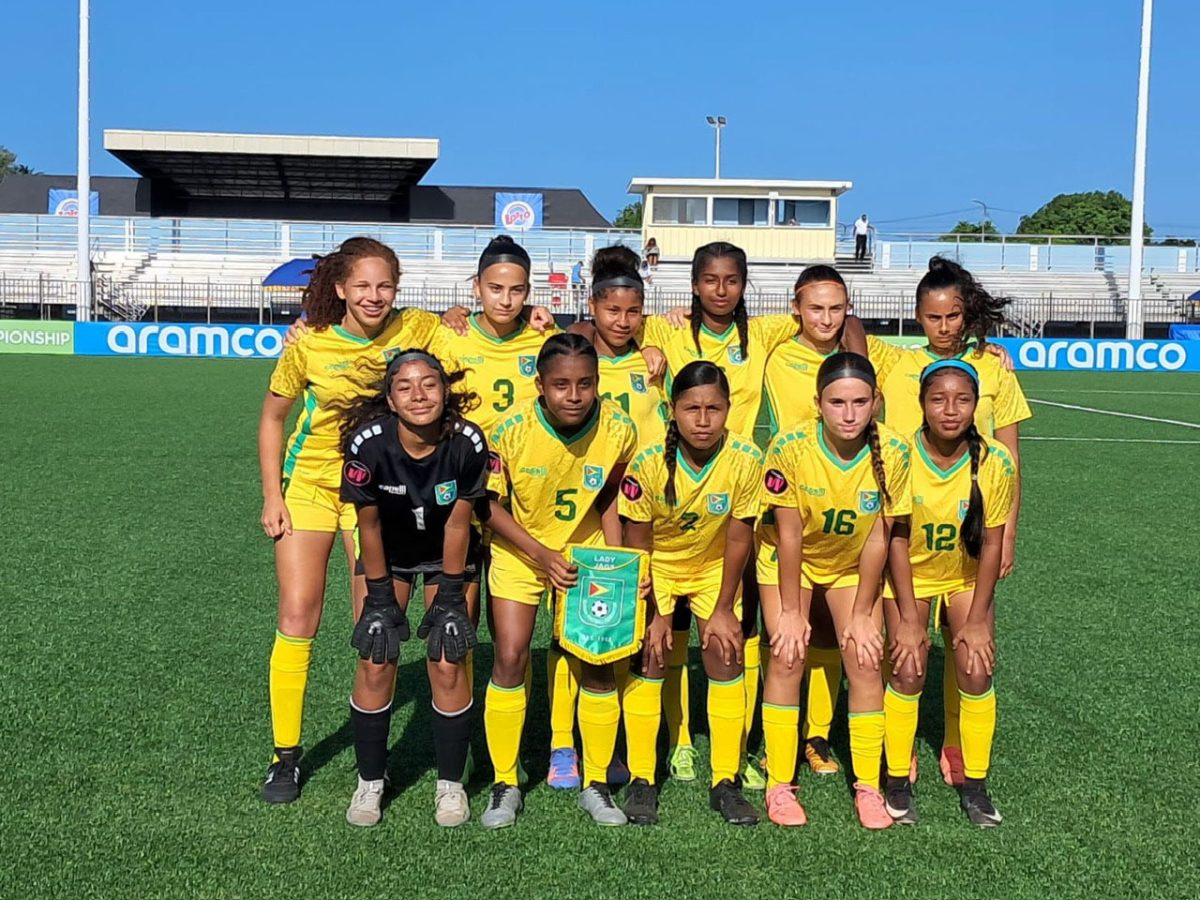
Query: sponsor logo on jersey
[
  {"x": 813, "y": 491},
  {"x": 472, "y": 360},
  {"x": 340, "y": 366},
  {"x": 631, "y": 488},
  {"x": 535, "y": 471},
  {"x": 962, "y": 508},
  {"x": 868, "y": 501},
  {"x": 527, "y": 365},
  {"x": 718, "y": 504},
  {"x": 398, "y": 489},
  {"x": 735, "y": 355},
  {"x": 775, "y": 482},
  {"x": 593, "y": 477},
  {"x": 495, "y": 466},
  {"x": 638, "y": 382},
  {"x": 446, "y": 492},
  {"x": 356, "y": 473}
]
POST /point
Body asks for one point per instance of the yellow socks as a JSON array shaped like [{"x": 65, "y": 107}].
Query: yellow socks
[
  {"x": 642, "y": 699},
  {"x": 503, "y": 721},
  {"x": 599, "y": 717},
  {"x": 290, "y": 659},
  {"x": 978, "y": 724},
  {"x": 824, "y": 683},
  {"x": 676, "y": 697},
  {"x": 950, "y": 700},
  {"x": 562, "y": 680},
  {"x": 866, "y": 746},
  {"x": 899, "y": 730},
  {"x": 726, "y": 727},
  {"x": 781, "y": 734},
  {"x": 750, "y": 653}
]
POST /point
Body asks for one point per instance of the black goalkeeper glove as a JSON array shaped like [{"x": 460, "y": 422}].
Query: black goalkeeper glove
[
  {"x": 382, "y": 626},
  {"x": 446, "y": 628}
]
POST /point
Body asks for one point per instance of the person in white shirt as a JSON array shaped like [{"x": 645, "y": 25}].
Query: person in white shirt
[{"x": 861, "y": 229}]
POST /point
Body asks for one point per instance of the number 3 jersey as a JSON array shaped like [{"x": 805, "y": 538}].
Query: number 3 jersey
[
  {"x": 939, "y": 561},
  {"x": 551, "y": 480},
  {"x": 690, "y": 536},
  {"x": 839, "y": 501},
  {"x": 414, "y": 496}
]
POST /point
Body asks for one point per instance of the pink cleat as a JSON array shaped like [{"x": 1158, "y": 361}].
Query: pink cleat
[
  {"x": 870, "y": 806},
  {"x": 952, "y": 766},
  {"x": 783, "y": 808}
]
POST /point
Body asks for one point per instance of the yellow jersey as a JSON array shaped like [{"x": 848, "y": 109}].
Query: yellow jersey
[
  {"x": 330, "y": 368},
  {"x": 690, "y": 536},
  {"x": 626, "y": 381},
  {"x": 549, "y": 481},
  {"x": 838, "y": 501},
  {"x": 745, "y": 372},
  {"x": 939, "y": 502},
  {"x": 1001, "y": 400},
  {"x": 499, "y": 370}
]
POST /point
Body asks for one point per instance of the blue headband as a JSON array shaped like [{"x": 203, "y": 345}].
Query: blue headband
[{"x": 957, "y": 364}]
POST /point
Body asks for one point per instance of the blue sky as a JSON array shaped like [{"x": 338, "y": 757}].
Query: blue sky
[{"x": 923, "y": 105}]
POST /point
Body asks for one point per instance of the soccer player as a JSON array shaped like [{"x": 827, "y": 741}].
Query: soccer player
[
  {"x": 957, "y": 314},
  {"x": 691, "y": 502},
  {"x": 414, "y": 470},
  {"x": 351, "y": 329},
  {"x": 948, "y": 554},
  {"x": 821, "y": 304},
  {"x": 835, "y": 485},
  {"x": 556, "y": 462}
]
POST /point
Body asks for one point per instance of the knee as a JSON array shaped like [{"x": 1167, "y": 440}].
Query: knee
[
  {"x": 510, "y": 664},
  {"x": 784, "y": 677},
  {"x": 717, "y": 669},
  {"x": 976, "y": 683},
  {"x": 299, "y": 618},
  {"x": 376, "y": 679},
  {"x": 598, "y": 679},
  {"x": 907, "y": 683},
  {"x": 445, "y": 677}
]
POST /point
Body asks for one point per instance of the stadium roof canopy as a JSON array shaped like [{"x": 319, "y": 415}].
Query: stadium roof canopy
[
  {"x": 276, "y": 167},
  {"x": 757, "y": 185}
]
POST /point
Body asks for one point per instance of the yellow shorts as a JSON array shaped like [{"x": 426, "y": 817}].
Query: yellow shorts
[
  {"x": 699, "y": 589},
  {"x": 829, "y": 582},
  {"x": 511, "y": 578},
  {"x": 766, "y": 562},
  {"x": 314, "y": 507}
]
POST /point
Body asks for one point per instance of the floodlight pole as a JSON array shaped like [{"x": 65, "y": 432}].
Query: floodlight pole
[
  {"x": 717, "y": 122},
  {"x": 83, "y": 185},
  {"x": 983, "y": 224},
  {"x": 1135, "y": 316}
]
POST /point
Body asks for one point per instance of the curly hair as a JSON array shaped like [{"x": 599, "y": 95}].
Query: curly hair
[
  {"x": 982, "y": 313},
  {"x": 371, "y": 404},
  {"x": 321, "y": 304}
]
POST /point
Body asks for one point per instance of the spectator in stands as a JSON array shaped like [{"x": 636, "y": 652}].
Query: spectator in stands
[
  {"x": 650, "y": 253},
  {"x": 646, "y": 272},
  {"x": 577, "y": 281},
  {"x": 861, "y": 229}
]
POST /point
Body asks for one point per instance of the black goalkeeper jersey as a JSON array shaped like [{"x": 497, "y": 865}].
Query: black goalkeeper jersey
[{"x": 414, "y": 496}]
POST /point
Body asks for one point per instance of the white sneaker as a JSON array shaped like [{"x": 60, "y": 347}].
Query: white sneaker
[
  {"x": 452, "y": 806},
  {"x": 365, "y": 806}
]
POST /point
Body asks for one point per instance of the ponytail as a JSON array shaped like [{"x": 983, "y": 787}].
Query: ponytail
[
  {"x": 982, "y": 313},
  {"x": 670, "y": 451},
  {"x": 872, "y": 436},
  {"x": 971, "y": 531}
]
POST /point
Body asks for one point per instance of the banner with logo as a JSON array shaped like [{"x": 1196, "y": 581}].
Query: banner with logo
[
  {"x": 199, "y": 340},
  {"x": 518, "y": 212},
  {"x": 37, "y": 337},
  {"x": 1079, "y": 355},
  {"x": 66, "y": 203}
]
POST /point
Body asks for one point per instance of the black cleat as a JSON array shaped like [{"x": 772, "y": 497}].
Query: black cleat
[
  {"x": 641, "y": 802},
  {"x": 283, "y": 777},
  {"x": 726, "y": 798},
  {"x": 976, "y": 803},
  {"x": 898, "y": 798}
]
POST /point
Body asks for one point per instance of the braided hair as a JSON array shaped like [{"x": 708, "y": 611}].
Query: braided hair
[
  {"x": 321, "y": 304},
  {"x": 694, "y": 374},
  {"x": 741, "y": 318},
  {"x": 854, "y": 365},
  {"x": 982, "y": 313},
  {"x": 971, "y": 530}
]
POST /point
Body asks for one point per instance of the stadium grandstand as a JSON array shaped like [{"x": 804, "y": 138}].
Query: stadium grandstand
[{"x": 207, "y": 217}]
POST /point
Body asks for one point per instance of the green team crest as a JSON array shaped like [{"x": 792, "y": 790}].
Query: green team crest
[
  {"x": 868, "y": 501},
  {"x": 527, "y": 365},
  {"x": 593, "y": 477},
  {"x": 735, "y": 355},
  {"x": 602, "y": 618},
  {"x": 638, "y": 382},
  {"x": 446, "y": 492},
  {"x": 962, "y": 508},
  {"x": 718, "y": 504}
]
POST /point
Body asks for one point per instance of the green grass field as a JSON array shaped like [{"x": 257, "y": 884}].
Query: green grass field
[{"x": 139, "y": 609}]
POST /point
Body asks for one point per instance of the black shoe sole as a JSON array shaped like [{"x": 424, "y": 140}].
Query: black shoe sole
[
  {"x": 641, "y": 819},
  {"x": 280, "y": 797}
]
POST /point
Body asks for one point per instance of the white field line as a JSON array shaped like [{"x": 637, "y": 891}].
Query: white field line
[
  {"x": 1101, "y": 440},
  {"x": 1141, "y": 393},
  {"x": 1120, "y": 415}
]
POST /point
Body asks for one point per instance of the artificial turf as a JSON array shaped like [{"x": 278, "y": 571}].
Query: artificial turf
[{"x": 139, "y": 609}]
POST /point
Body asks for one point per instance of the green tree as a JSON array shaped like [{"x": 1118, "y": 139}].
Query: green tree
[
  {"x": 10, "y": 166},
  {"x": 630, "y": 216},
  {"x": 969, "y": 232},
  {"x": 1108, "y": 214}
]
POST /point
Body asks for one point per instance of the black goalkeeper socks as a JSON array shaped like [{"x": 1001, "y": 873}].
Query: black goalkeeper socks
[
  {"x": 452, "y": 741},
  {"x": 370, "y": 740}
]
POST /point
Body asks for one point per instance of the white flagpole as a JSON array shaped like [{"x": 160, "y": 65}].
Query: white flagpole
[
  {"x": 83, "y": 184},
  {"x": 1136, "y": 316}
]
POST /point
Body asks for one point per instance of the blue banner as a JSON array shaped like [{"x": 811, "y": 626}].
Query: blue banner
[
  {"x": 1078, "y": 355},
  {"x": 153, "y": 339},
  {"x": 66, "y": 203},
  {"x": 1185, "y": 332},
  {"x": 518, "y": 212}
]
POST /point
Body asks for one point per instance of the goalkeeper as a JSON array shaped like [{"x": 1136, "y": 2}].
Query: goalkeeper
[{"x": 415, "y": 470}]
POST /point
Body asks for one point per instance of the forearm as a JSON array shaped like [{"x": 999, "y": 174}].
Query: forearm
[
  {"x": 854, "y": 336},
  {"x": 870, "y": 571},
  {"x": 900, "y": 568},
  {"x": 457, "y": 539},
  {"x": 791, "y": 549},
  {"x": 738, "y": 544},
  {"x": 1010, "y": 437},
  {"x": 270, "y": 453},
  {"x": 984, "y": 595},
  {"x": 370, "y": 543},
  {"x": 502, "y": 522}
]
